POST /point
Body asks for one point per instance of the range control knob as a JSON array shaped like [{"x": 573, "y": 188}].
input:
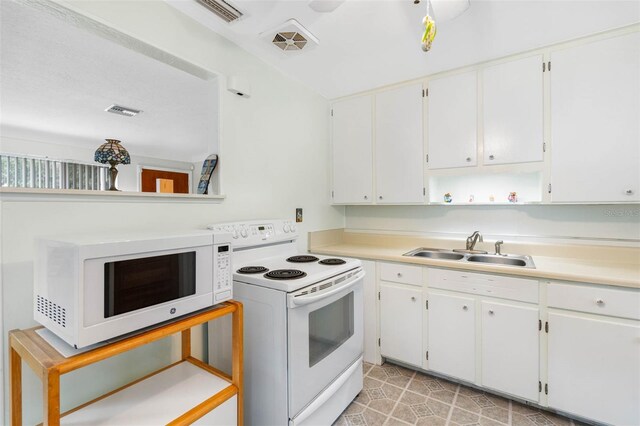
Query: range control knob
[
  {"x": 235, "y": 234},
  {"x": 293, "y": 228},
  {"x": 244, "y": 233},
  {"x": 286, "y": 227}
]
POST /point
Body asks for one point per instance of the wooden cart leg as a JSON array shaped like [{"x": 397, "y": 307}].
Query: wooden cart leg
[
  {"x": 51, "y": 398},
  {"x": 16, "y": 387},
  {"x": 237, "y": 359},
  {"x": 186, "y": 343}
]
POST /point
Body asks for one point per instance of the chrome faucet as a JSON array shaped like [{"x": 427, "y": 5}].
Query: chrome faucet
[
  {"x": 473, "y": 239},
  {"x": 498, "y": 247}
]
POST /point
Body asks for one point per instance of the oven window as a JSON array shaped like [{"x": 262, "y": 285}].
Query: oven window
[
  {"x": 329, "y": 327},
  {"x": 138, "y": 283}
]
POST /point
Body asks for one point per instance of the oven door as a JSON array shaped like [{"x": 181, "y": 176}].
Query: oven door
[{"x": 325, "y": 335}]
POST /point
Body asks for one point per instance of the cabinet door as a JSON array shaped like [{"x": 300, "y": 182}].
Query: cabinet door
[
  {"x": 352, "y": 151},
  {"x": 510, "y": 351},
  {"x": 452, "y": 121},
  {"x": 452, "y": 336},
  {"x": 513, "y": 113},
  {"x": 399, "y": 146},
  {"x": 595, "y": 151},
  {"x": 401, "y": 323},
  {"x": 594, "y": 367}
]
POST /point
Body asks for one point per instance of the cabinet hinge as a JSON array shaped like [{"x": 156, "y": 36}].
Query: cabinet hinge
[
  {"x": 378, "y": 295},
  {"x": 539, "y": 386},
  {"x": 378, "y": 341},
  {"x": 546, "y": 389},
  {"x": 544, "y": 147},
  {"x": 332, "y": 112},
  {"x": 544, "y": 66},
  {"x": 549, "y": 188},
  {"x": 546, "y": 326},
  {"x": 331, "y": 194},
  {"x": 427, "y": 158},
  {"x": 427, "y": 355},
  {"x": 425, "y": 92},
  {"x": 539, "y": 325},
  {"x": 424, "y": 191},
  {"x": 426, "y": 304},
  {"x": 549, "y": 65}
]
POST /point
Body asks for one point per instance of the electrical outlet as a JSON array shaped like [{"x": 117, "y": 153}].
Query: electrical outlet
[{"x": 298, "y": 215}]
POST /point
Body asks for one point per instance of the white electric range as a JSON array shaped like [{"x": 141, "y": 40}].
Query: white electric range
[{"x": 303, "y": 326}]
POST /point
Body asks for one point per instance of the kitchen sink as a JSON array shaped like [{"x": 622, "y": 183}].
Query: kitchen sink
[{"x": 473, "y": 256}]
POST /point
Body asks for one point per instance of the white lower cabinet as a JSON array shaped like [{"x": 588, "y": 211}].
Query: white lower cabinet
[
  {"x": 510, "y": 348},
  {"x": 451, "y": 335},
  {"x": 401, "y": 322},
  {"x": 594, "y": 367}
]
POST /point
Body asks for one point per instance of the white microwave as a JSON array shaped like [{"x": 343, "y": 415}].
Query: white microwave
[{"x": 89, "y": 289}]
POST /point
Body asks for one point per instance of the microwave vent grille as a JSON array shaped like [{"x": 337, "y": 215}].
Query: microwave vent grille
[{"x": 53, "y": 311}]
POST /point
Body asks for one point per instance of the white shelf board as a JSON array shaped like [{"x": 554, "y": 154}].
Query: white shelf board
[
  {"x": 157, "y": 400},
  {"x": 76, "y": 194}
]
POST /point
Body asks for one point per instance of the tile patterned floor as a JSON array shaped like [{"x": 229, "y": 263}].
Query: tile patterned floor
[{"x": 394, "y": 395}]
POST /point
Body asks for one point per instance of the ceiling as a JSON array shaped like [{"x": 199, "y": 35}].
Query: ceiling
[
  {"x": 366, "y": 44},
  {"x": 58, "y": 79}
]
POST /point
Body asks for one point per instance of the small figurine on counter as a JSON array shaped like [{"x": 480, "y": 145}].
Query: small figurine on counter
[
  {"x": 448, "y": 198},
  {"x": 513, "y": 197},
  {"x": 471, "y": 198},
  {"x": 492, "y": 198}
]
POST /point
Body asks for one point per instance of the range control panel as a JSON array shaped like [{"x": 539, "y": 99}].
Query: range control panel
[{"x": 258, "y": 232}]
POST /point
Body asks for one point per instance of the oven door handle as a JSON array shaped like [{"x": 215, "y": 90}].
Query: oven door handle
[{"x": 306, "y": 300}]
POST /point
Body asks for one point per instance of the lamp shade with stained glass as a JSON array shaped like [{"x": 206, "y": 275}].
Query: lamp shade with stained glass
[{"x": 113, "y": 153}]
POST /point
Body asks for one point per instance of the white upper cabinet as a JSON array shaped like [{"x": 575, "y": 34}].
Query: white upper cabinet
[
  {"x": 452, "y": 121},
  {"x": 399, "y": 145},
  {"x": 352, "y": 151},
  {"x": 513, "y": 111},
  {"x": 595, "y": 109}
]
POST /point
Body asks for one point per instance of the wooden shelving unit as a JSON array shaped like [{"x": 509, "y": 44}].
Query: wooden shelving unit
[{"x": 49, "y": 365}]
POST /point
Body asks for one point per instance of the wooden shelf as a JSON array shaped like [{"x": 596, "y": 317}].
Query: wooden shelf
[{"x": 49, "y": 364}]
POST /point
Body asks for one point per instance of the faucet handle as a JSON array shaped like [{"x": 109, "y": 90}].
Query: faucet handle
[{"x": 498, "y": 244}]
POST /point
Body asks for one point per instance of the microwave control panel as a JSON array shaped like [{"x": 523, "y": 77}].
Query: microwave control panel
[{"x": 222, "y": 275}]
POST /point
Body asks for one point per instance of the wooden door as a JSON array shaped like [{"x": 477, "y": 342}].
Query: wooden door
[{"x": 180, "y": 180}]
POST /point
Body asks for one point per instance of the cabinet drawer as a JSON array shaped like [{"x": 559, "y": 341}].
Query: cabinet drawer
[
  {"x": 399, "y": 273},
  {"x": 522, "y": 289},
  {"x": 615, "y": 302}
]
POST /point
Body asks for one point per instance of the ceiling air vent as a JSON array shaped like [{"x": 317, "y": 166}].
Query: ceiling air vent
[
  {"x": 120, "y": 110},
  {"x": 291, "y": 36},
  {"x": 221, "y": 8}
]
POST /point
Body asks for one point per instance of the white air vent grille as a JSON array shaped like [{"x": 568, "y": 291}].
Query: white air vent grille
[
  {"x": 54, "y": 312},
  {"x": 120, "y": 110},
  {"x": 290, "y": 40},
  {"x": 222, "y": 9}
]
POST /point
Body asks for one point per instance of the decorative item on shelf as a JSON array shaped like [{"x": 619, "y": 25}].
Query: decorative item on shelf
[
  {"x": 448, "y": 198},
  {"x": 492, "y": 198},
  {"x": 113, "y": 153},
  {"x": 208, "y": 167},
  {"x": 513, "y": 197},
  {"x": 471, "y": 198},
  {"x": 430, "y": 29}
]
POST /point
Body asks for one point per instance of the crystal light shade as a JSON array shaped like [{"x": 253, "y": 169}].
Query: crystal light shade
[{"x": 113, "y": 153}]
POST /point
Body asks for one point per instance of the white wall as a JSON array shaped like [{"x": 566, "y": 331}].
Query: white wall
[
  {"x": 274, "y": 158},
  {"x": 542, "y": 221}
]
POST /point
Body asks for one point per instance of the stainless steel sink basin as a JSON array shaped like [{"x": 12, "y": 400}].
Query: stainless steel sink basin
[
  {"x": 473, "y": 256},
  {"x": 435, "y": 254},
  {"x": 524, "y": 261}
]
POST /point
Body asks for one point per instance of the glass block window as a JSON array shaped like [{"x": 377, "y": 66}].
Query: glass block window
[{"x": 32, "y": 172}]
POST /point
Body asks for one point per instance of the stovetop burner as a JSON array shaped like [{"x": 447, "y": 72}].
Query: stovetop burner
[
  {"x": 332, "y": 261},
  {"x": 252, "y": 270},
  {"x": 285, "y": 274},
  {"x": 302, "y": 259}
]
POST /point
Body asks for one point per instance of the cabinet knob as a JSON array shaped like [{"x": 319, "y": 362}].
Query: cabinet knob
[
  {"x": 468, "y": 159},
  {"x": 490, "y": 312},
  {"x": 399, "y": 275},
  {"x": 600, "y": 302},
  {"x": 366, "y": 198},
  {"x": 629, "y": 192},
  {"x": 491, "y": 157},
  {"x": 413, "y": 298},
  {"x": 380, "y": 197},
  {"x": 465, "y": 308}
]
